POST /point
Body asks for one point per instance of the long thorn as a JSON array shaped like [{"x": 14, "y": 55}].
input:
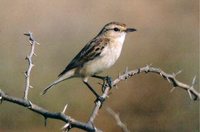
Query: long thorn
[
  {"x": 64, "y": 108},
  {"x": 194, "y": 81}
]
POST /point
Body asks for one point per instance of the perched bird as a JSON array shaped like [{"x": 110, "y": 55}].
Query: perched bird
[{"x": 98, "y": 54}]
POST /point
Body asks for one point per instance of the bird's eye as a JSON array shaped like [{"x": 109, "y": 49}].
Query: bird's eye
[{"x": 116, "y": 29}]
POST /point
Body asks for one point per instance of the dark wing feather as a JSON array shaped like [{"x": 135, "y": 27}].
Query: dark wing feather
[{"x": 89, "y": 52}]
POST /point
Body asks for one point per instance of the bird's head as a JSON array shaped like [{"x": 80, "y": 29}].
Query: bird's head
[{"x": 115, "y": 30}]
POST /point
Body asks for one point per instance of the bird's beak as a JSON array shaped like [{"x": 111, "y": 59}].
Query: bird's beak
[{"x": 130, "y": 30}]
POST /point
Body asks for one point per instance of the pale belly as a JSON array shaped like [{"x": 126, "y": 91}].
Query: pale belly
[{"x": 108, "y": 57}]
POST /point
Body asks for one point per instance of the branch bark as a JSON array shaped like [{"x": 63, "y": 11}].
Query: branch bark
[
  {"x": 30, "y": 64},
  {"x": 171, "y": 78},
  {"x": 45, "y": 113}
]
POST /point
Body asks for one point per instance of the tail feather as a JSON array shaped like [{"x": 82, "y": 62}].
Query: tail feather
[
  {"x": 49, "y": 87},
  {"x": 68, "y": 75}
]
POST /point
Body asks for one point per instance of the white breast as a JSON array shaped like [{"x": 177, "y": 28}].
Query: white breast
[
  {"x": 107, "y": 58},
  {"x": 121, "y": 38}
]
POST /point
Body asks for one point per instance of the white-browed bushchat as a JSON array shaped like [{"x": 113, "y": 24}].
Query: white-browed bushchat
[{"x": 98, "y": 54}]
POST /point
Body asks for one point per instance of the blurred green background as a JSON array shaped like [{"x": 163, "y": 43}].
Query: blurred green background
[{"x": 167, "y": 37}]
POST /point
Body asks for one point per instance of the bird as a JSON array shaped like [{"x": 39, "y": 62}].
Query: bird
[{"x": 96, "y": 56}]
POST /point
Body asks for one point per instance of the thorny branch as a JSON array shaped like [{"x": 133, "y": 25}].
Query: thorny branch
[
  {"x": 117, "y": 119},
  {"x": 45, "y": 113},
  {"x": 89, "y": 126},
  {"x": 30, "y": 64},
  {"x": 171, "y": 78}
]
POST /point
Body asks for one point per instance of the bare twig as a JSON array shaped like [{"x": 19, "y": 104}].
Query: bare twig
[
  {"x": 98, "y": 106},
  {"x": 194, "y": 95},
  {"x": 30, "y": 64},
  {"x": 45, "y": 113},
  {"x": 171, "y": 78},
  {"x": 70, "y": 122},
  {"x": 117, "y": 119}
]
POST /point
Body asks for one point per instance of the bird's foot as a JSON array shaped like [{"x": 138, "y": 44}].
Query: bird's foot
[{"x": 107, "y": 81}]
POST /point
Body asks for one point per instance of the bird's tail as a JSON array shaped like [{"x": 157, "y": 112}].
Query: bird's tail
[{"x": 65, "y": 76}]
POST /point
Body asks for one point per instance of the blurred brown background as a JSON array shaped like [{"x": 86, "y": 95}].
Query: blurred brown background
[{"x": 167, "y": 37}]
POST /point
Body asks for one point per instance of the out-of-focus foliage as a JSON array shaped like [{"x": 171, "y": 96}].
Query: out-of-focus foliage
[{"x": 167, "y": 37}]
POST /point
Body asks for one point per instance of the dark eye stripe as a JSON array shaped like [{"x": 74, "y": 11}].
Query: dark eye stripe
[{"x": 116, "y": 29}]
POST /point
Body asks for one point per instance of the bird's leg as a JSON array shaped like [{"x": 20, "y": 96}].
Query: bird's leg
[
  {"x": 106, "y": 80},
  {"x": 99, "y": 98}
]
